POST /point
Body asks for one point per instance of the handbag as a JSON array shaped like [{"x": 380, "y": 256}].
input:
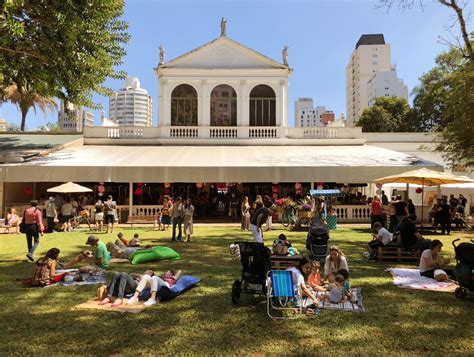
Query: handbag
[{"x": 23, "y": 225}]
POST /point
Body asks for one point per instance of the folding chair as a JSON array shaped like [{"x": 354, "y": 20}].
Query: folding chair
[{"x": 282, "y": 295}]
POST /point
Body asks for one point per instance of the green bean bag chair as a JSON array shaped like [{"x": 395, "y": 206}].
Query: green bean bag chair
[{"x": 154, "y": 254}]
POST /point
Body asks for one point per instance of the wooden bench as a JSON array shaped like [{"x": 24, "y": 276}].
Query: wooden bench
[
  {"x": 282, "y": 262},
  {"x": 398, "y": 254},
  {"x": 140, "y": 219}
]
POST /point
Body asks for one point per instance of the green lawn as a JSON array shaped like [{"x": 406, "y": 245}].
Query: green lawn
[{"x": 38, "y": 321}]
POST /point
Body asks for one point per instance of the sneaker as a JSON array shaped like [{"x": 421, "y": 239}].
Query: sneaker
[
  {"x": 366, "y": 254},
  {"x": 373, "y": 257},
  {"x": 132, "y": 300},
  {"x": 150, "y": 302},
  {"x": 30, "y": 257}
]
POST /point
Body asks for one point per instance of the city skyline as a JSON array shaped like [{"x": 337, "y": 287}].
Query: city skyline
[{"x": 321, "y": 36}]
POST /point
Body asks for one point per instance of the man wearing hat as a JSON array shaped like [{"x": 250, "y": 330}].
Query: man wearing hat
[
  {"x": 51, "y": 214},
  {"x": 98, "y": 260}
]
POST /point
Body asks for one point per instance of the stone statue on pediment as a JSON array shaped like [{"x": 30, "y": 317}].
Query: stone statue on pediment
[
  {"x": 284, "y": 54},
  {"x": 162, "y": 55},
  {"x": 223, "y": 27}
]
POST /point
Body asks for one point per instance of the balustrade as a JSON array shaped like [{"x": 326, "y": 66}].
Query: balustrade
[
  {"x": 262, "y": 133},
  {"x": 184, "y": 132},
  {"x": 222, "y": 133}
]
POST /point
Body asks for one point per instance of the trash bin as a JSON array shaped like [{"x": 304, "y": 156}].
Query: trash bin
[{"x": 332, "y": 221}]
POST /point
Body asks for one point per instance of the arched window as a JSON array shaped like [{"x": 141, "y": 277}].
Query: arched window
[
  {"x": 184, "y": 106},
  {"x": 223, "y": 106},
  {"x": 262, "y": 106}
]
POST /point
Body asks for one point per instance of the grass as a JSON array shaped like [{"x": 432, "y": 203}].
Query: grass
[{"x": 37, "y": 321}]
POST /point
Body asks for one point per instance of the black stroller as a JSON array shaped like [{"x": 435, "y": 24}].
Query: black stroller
[
  {"x": 317, "y": 241},
  {"x": 465, "y": 264},
  {"x": 255, "y": 259}
]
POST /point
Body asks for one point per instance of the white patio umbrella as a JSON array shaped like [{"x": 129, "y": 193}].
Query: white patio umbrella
[
  {"x": 69, "y": 187},
  {"x": 424, "y": 177}
]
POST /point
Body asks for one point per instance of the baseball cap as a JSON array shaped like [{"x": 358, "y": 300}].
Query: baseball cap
[{"x": 91, "y": 240}]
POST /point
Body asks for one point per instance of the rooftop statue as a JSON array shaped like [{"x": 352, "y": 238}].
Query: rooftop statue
[
  {"x": 223, "y": 27},
  {"x": 162, "y": 55},
  {"x": 284, "y": 54}
]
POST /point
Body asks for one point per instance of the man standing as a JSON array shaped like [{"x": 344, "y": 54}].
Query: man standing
[
  {"x": 260, "y": 217},
  {"x": 110, "y": 208},
  {"x": 177, "y": 214},
  {"x": 234, "y": 207},
  {"x": 33, "y": 219},
  {"x": 51, "y": 214}
]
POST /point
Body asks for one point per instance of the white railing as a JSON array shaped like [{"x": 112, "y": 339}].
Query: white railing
[
  {"x": 353, "y": 213},
  {"x": 324, "y": 133},
  {"x": 223, "y": 133},
  {"x": 212, "y": 132}
]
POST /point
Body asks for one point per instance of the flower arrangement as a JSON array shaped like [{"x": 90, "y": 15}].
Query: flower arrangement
[{"x": 306, "y": 207}]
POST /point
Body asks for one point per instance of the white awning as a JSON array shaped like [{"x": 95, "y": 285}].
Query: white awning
[{"x": 343, "y": 164}]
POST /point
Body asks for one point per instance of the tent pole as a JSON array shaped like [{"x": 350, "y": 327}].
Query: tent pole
[{"x": 422, "y": 194}]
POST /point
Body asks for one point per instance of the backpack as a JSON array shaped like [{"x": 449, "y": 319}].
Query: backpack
[
  {"x": 280, "y": 247},
  {"x": 41, "y": 274}
]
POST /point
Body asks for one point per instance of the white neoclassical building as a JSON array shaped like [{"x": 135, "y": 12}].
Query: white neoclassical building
[{"x": 223, "y": 86}]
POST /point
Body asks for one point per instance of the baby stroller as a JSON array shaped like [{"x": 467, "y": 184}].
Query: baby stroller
[
  {"x": 465, "y": 264},
  {"x": 317, "y": 241},
  {"x": 255, "y": 259}
]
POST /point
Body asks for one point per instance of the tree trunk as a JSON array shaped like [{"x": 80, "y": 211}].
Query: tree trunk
[{"x": 23, "y": 119}]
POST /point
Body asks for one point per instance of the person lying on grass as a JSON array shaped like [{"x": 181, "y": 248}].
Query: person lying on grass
[
  {"x": 431, "y": 263},
  {"x": 155, "y": 284},
  {"x": 123, "y": 284},
  {"x": 97, "y": 260}
]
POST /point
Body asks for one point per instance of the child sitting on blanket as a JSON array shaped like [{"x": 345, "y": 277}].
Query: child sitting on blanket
[
  {"x": 346, "y": 285},
  {"x": 335, "y": 290},
  {"x": 314, "y": 279}
]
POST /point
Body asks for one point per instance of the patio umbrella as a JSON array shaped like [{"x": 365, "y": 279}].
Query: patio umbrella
[
  {"x": 69, "y": 187},
  {"x": 424, "y": 177}
]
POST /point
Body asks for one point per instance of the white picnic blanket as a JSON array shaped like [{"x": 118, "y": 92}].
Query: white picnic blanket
[
  {"x": 411, "y": 279},
  {"x": 355, "y": 306}
]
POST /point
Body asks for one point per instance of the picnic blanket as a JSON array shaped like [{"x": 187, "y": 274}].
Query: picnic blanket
[
  {"x": 87, "y": 279},
  {"x": 94, "y": 304},
  {"x": 411, "y": 279},
  {"x": 118, "y": 261},
  {"x": 345, "y": 306}
]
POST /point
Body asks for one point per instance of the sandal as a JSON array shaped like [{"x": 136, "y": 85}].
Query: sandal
[{"x": 104, "y": 301}]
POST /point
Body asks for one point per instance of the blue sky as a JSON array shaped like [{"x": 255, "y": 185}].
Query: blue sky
[{"x": 321, "y": 35}]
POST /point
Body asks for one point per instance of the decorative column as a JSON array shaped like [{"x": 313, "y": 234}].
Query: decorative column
[
  {"x": 243, "y": 100},
  {"x": 204, "y": 105},
  {"x": 164, "y": 104},
  {"x": 130, "y": 198}
]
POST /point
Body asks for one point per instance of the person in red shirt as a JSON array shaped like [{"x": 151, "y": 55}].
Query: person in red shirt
[
  {"x": 376, "y": 214},
  {"x": 33, "y": 219}
]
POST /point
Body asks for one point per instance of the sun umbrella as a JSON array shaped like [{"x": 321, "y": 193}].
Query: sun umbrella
[
  {"x": 424, "y": 177},
  {"x": 69, "y": 187}
]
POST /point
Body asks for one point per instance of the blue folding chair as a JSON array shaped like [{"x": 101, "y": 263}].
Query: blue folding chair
[{"x": 282, "y": 295}]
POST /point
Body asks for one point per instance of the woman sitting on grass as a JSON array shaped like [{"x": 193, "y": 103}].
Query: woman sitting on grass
[
  {"x": 334, "y": 262},
  {"x": 431, "y": 263},
  {"x": 299, "y": 275},
  {"x": 45, "y": 269},
  {"x": 12, "y": 221}
]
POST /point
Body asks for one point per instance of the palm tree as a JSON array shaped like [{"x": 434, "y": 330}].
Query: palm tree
[{"x": 24, "y": 99}]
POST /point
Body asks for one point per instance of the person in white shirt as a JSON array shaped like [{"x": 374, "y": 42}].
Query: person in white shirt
[
  {"x": 431, "y": 263},
  {"x": 298, "y": 275},
  {"x": 335, "y": 261},
  {"x": 382, "y": 238}
]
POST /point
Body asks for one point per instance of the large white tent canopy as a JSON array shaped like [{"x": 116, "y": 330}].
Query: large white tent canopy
[{"x": 343, "y": 164}]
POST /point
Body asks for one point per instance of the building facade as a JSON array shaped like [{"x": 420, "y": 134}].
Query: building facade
[
  {"x": 371, "y": 54},
  {"x": 74, "y": 119},
  {"x": 131, "y": 105},
  {"x": 385, "y": 84},
  {"x": 312, "y": 117},
  {"x": 301, "y": 104}
]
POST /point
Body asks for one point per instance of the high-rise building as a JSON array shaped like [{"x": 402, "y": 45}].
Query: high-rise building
[
  {"x": 308, "y": 116},
  {"x": 385, "y": 84},
  {"x": 301, "y": 104},
  {"x": 74, "y": 119},
  {"x": 371, "y": 54},
  {"x": 131, "y": 105}
]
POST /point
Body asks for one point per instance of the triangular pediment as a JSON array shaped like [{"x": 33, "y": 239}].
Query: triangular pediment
[{"x": 223, "y": 53}]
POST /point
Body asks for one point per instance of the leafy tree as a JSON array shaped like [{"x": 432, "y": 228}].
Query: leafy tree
[
  {"x": 445, "y": 100},
  {"x": 457, "y": 6},
  {"x": 27, "y": 99},
  {"x": 64, "y": 49},
  {"x": 389, "y": 114}
]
